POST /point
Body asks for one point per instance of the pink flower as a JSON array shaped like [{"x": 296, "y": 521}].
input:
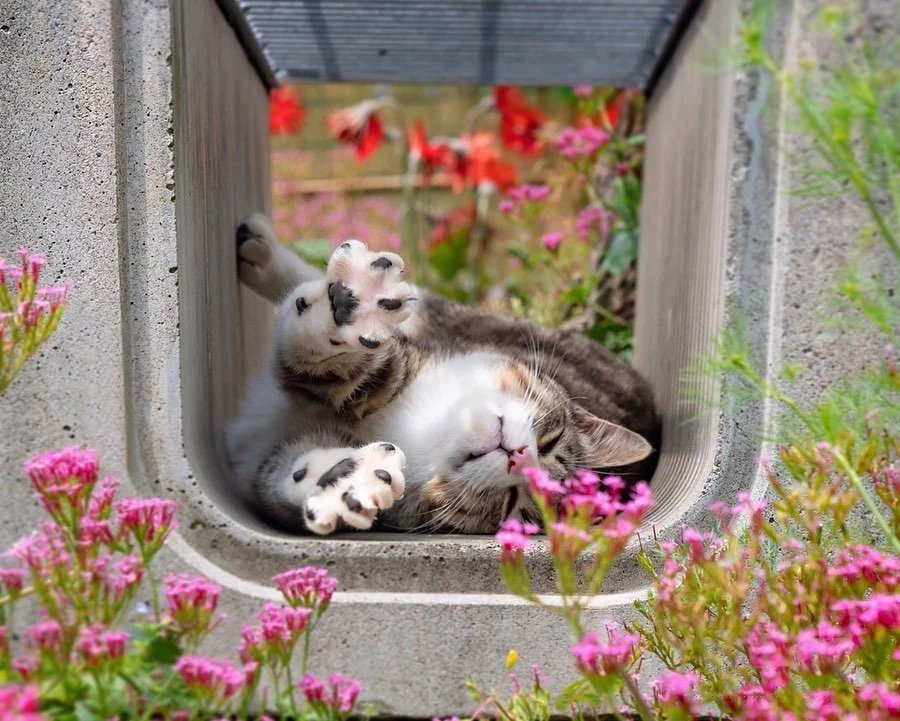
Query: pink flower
[
  {"x": 148, "y": 520},
  {"x": 12, "y": 578},
  {"x": 594, "y": 218},
  {"x": 821, "y": 706},
  {"x": 753, "y": 703},
  {"x": 192, "y": 603},
  {"x": 866, "y": 565},
  {"x": 695, "y": 541},
  {"x": 345, "y": 691},
  {"x": 340, "y": 698},
  {"x": 879, "y": 609},
  {"x": 878, "y": 696},
  {"x": 641, "y": 500},
  {"x": 677, "y": 689},
  {"x": 309, "y": 587},
  {"x": 102, "y": 498},
  {"x": 210, "y": 677},
  {"x": 19, "y": 703},
  {"x": 282, "y": 626},
  {"x": 542, "y": 486},
  {"x": 581, "y": 142},
  {"x": 97, "y": 647},
  {"x": 45, "y": 636},
  {"x": 93, "y": 533},
  {"x": 65, "y": 476},
  {"x": 593, "y": 657},
  {"x": 583, "y": 91},
  {"x": 551, "y": 241},
  {"x": 315, "y": 690},
  {"x": 769, "y": 652},
  {"x": 567, "y": 542},
  {"x": 823, "y": 648},
  {"x": 513, "y": 537}
]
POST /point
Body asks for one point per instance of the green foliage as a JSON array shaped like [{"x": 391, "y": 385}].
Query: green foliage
[
  {"x": 315, "y": 252},
  {"x": 846, "y": 107}
]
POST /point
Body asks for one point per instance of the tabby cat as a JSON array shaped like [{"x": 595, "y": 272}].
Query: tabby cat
[{"x": 384, "y": 404}]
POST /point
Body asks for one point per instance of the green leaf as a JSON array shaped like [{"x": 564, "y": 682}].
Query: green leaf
[
  {"x": 316, "y": 252},
  {"x": 606, "y": 685},
  {"x": 449, "y": 257},
  {"x": 83, "y": 713},
  {"x": 576, "y": 693},
  {"x": 577, "y": 294},
  {"x": 621, "y": 253},
  {"x": 162, "y": 651}
]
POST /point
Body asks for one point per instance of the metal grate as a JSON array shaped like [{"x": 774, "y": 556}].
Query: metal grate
[{"x": 516, "y": 42}]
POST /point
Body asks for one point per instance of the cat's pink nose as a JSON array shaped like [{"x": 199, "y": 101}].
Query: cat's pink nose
[{"x": 518, "y": 459}]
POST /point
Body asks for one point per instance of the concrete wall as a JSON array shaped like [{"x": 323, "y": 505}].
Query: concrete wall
[{"x": 133, "y": 143}]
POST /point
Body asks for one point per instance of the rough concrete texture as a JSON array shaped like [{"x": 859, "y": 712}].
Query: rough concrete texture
[{"x": 87, "y": 111}]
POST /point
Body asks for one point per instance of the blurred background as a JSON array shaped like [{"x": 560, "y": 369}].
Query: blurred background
[{"x": 520, "y": 201}]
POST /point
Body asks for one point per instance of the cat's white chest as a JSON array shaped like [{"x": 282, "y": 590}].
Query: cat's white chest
[{"x": 421, "y": 419}]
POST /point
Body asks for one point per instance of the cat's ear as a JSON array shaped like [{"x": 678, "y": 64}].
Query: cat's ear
[{"x": 609, "y": 445}]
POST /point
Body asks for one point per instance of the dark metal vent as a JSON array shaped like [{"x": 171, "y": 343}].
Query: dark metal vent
[{"x": 516, "y": 42}]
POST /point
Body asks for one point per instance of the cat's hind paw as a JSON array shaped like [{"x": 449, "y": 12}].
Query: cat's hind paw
[
  {"x": 369, "y": 296},
  {"x": 353, "y": 491},
  {"x": 264, "y": 264}
]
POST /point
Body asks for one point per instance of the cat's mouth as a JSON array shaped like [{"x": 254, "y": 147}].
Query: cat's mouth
[{"x": 517, "y": 458}]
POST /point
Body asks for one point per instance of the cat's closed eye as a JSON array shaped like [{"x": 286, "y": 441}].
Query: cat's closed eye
[{"x": 548, "y": 441}]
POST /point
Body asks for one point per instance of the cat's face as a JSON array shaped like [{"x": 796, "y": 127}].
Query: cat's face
[{"x": 506, "y": 419}]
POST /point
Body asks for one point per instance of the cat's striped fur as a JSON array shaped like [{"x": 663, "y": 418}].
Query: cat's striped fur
[{"x": 384, "y": 402}]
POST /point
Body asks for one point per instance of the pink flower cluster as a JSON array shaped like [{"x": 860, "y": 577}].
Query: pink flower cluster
[
  {"x": 866, "y": 566},
  {"x": 677, "y": 690},
  {"x": 63, "y": 479},
  {"x": 514, "y": 538},
  {"x": 34, "y": 304},
  {"x": 97, "y": 646},
  {"x": 339, "y": 695},
  {"x": 553, "y": 239},
  {"x": 519, "y": 195},
  {"x": 308, "y": 587},
  {"x": 594, "y": 218},
  {"x": 581, "y": 142},
  {"x": 19, "y": 703},
  {"x": 595, "y": 658},
  {"x": 148, "y": 520},
  {"x": 823, "y": 648},
  {"x": 192, "y": 603},
  {"x": 211, "y": 677}
]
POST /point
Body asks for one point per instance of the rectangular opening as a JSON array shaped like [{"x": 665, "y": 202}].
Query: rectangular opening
[{"x": 223, "y": 156}]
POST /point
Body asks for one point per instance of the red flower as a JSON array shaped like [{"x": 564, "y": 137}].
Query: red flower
[
  {"x": 286, "y": 115},
  {"x": 484, "y": 164},
  {"x": 448, "y": 224},
  {"x": 431, "y": 156},
  {"x": 612, "y": 111},
  {"x": 520, "y": 122},
  {"x": 359, "y": 126}
]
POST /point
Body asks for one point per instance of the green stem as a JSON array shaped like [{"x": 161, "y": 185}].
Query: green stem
[
  {"x": 639, "y": 702},
  {"x": 305, "y": 659},
  {"x": 867, "y": 497},
  {"x": 410, "y": 240}
]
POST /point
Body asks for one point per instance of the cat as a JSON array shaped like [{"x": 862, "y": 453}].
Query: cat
[{"x": 383, "y": 404}]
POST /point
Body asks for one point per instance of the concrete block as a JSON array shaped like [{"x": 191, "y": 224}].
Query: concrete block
[{"x": 136, "y": 138}]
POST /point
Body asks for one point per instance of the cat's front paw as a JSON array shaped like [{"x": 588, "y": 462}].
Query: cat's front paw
[
  {"x": 356, "y": 489},
  {"x": 368, "y": 295}
]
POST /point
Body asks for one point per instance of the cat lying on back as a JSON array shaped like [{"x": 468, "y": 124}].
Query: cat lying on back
[{"x": 383, "y": 402}]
